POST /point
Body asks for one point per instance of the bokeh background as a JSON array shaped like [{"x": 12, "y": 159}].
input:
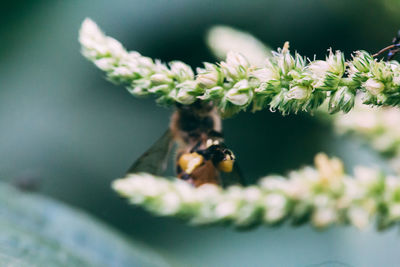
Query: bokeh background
[{"x": 66, "y": 128}]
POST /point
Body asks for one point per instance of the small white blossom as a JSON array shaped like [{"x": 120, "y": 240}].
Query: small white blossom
[
  {"x": 323, "y": 217},
  {"x": 238, "y": 95},
  {"x": 298, "y": 92},
  {"x": 284, "y": 59},
  {"x": 394, "y": 211},
  {"x": 335, "y": 62},
  {"x": 105, "y": 64},
  {"x": 184, "y": 94},
  {"x": 208, "y": 77},
  {"x": 275, "y": 207},
  {"x": 181, "y": 70},
  {"x": 274, "y": 215},
  {"x": 121, "y": 72},
  {"x": 160, "y": 78},
  {"x": 235, "y": 66},
  {"x": 373, "y": 86},
  {"x": 319, "y": 68},
  {"x": 170, "y": 204},
  {"x": 358, "y": 217},
  {"x": 265, "y": 74},
  {"x": 367, "y": 176},
  {"x": 159, "y": 89},
  {"x": 225, "y": 209}
]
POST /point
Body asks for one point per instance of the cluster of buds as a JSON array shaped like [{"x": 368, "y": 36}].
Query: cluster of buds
[
  {"x": 142, "y": 75},
  {"x": 380, "y": 127},
  {"x": 285, "y": 82},
  {"x": 322, "y": 195}
]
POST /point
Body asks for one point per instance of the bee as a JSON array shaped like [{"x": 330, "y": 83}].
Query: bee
[
  {"x": 201, "y": 155},
  {"x": 393, "y": 49}
]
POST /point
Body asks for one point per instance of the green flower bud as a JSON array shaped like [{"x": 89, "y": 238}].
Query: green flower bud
[{"x": 342, "y": 99}]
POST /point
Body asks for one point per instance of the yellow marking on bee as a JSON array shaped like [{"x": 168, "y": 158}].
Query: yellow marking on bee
[
  {"x": 190, "y": 161},
  {"x": 226, "y": 165}
]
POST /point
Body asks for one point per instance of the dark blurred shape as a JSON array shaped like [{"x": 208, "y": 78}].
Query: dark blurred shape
[{"x": 28, "y": 181}]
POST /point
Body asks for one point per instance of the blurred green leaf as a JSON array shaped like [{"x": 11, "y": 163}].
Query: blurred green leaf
[{"x": 40, "y": 232}]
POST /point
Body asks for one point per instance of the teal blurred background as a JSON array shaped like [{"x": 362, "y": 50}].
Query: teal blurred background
[{"x": 63, "y": 125}]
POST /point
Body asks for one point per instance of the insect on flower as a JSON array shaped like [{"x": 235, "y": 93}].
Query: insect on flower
[{"x": 201, "y": 156}]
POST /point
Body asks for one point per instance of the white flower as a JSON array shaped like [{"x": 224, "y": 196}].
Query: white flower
[
  {"x": 160, "y": 78},
  {"x": 265, "y": 74},
  {"x": 208, "y": 77},
  {"x": 185, "y": 191},
  {"x": 181, "y": 70},
  {"x": 170, "y": 203},
  {"x": 285, "y": 61},
  {"x": 298, "y": 92},
  {"x": 184, "y": 97},
  {"x": 367, "y": 176},
  {"x": 225, "y": 209},
  {"x": 105, "y": 63},
  {"x": 373, "y": 86},
  {"x": 251, "y": 193},
  {"x": 322, "y": 200},
  {"x": 184, "y": 92},
  {"x": 319, "y": 68},
  {"x": 324, "y": 216},
  {"x": 275, "y": 207},
  {"x": 162, "y": 88},
  {"x": 121, "y": 72},
  {"x": 274, "y": 215},
  {"x": 394, "y": 211},
  {"x": 235, "y": 66},
  {"x": 274, "y": 183},
  {"x": 115, "y": 48},
  {"x": 208, "y": 192},
  {"x": 238, "y": 95},
  {"x": 358, "y": 217},
  {"x": 396, "y": 80},
  {"x": 336, "y": 62}
]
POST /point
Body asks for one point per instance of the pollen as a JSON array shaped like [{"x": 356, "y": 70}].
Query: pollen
[{"x": 190, "y": 161}]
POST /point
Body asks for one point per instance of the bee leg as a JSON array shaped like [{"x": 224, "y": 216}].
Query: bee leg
[
  {"x": 185, "y": 176},
  {"x": 392, "y": 53},
  {"x": 196, "y": 147}
]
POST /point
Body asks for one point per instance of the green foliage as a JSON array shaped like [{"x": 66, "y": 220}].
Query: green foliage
[{"x": 36, "y": 231}]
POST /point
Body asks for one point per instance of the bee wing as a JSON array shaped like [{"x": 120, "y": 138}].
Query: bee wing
[
  {"x": 155, "y": 159},
  {"x": 234, "y": 177}
]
